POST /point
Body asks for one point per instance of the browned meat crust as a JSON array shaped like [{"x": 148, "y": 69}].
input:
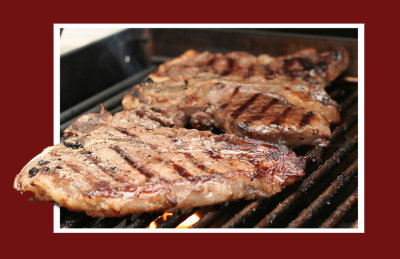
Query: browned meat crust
[
  {"x": 279, "y": 99},
  {"x": 137, "y": 161},
  {"x": 290, "y": 113},
  {"x": 306, "y": 65},
  {"x": 130, "y": 163}
]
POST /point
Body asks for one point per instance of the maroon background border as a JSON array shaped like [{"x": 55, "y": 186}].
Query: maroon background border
[{"x": 27, "y": 128}]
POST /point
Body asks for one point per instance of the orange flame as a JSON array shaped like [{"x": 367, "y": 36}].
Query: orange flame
[
  {"x": 165, "y": 215},
  {"x": 189, "y": 221},
  {"x": 159, "y": 219},
  {"x": 153, "y": 224}
]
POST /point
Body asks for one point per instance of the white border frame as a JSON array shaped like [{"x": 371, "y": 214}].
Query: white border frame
[{"x": 361, "y": 174}]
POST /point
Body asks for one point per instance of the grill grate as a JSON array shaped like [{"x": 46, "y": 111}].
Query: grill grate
[
  {"x": 341, "y": 211},
  {"x": 325, "y": 197}
]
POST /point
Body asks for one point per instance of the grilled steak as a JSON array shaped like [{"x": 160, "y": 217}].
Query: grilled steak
[
  {"x": 131, "y": 163},
  {"x": 291, "y": 113},
  {"x": 278, "y": 99},
  {"x": 306, "y": 65}
]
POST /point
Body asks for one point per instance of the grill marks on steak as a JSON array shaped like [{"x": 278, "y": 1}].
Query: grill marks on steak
[
  {"x": 276, "y": 112},
  {"x": 245, "y": 105},
  {"x": 307, "y": 65},
  {"x": 279, "y": 99},
  {"x": 271, "y": 119},
  {"x": 132, "y": 164},
  {"x": 141, "y": 161},
  {"x": 141, "y": 168}
]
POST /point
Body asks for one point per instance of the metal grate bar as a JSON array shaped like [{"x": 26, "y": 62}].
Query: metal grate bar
[
  {"x": 208, "y": 218},
  {"x": 230, "y": 211},
  {"x": 218, "y": 215},
  {"x": 245, "y": 214},
  {"x": 109, "y": 103},
  {"x": 329, "y": 164},
  {"x": 341, "y": 211},
  {"x": 339, "y": 91},
  {"x": 324, "y": 199},
  {"x": 315, "y": 153},
  {"x": 340, "y": 131},
  {"x": 73, "y": 220},
  {"x": 107, "y": 222},
  {"x": 142, "y": 220},
  {"x": 116, "y": 109},
  {"x": 157, "y": 60},
  {"x": 349, "y": 101},
  {"x": 103, "y": 95}
]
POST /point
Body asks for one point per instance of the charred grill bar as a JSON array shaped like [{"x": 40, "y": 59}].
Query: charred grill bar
[
  {"x": 327, "y": 195},
  {"x": 110, "y": 98}
]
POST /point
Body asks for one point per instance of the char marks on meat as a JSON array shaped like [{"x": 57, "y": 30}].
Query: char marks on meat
[
  {"x": 307, "y": 65},
  {"x": 279, "y": 99},
  {"x": 129, "y": 163},
  {"x": 257, "y": 110},
  {"x": 144, "y": 160}
]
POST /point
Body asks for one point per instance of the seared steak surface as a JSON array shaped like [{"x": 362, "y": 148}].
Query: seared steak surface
[
  {"x": 278, "y": 99},
  {"x": 144, "y": 160},
  {"x": 307, "y": 65},
  {"x": 134, "y": 162},
  {"x": 284, "y": 113}
]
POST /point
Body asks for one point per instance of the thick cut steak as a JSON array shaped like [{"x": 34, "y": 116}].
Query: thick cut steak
[
  {"x": 307, "y": 65},
  {"x": 278, "y": 99},
  {"x": 290, "y": 113},
  {"x": 134, "y": 162}
]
